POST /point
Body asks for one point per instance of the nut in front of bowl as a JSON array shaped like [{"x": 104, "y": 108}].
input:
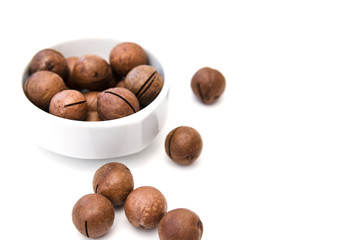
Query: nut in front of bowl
[{"x": 50, "y": 74}]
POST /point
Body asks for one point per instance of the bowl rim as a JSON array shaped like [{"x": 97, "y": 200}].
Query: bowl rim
[{"x": 131, "y": 119}]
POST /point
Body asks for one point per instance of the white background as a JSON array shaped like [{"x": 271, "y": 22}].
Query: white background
[{"x": 281, "y": 147}]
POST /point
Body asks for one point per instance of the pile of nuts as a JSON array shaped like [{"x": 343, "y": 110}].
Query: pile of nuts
[
  {"x": 145, "y": 207},
  {"x": 89, "y": 88}
]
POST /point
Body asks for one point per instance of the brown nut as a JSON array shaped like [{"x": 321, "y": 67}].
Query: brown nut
[
  {"x": 93, "y": 215},
  {"x": 92, "y": 116},
  {"x": 208, "y": 85},
  {"x": 50, "y": 60},
  {"x": 183, "y": 145},
  {"x": 145, "y": 82},
  {"x": 145, "y": 206},
  {"x": 69, "y": 104},
  {"x": 41, "y": 86},
  {"x": 114, "y": 181},
  {"x": 125, "y": 56},
  {"x": 69, "y": 81},
  {"x": 92, "y": 72},
  {"x": 91, "y": 99},
  {"x": 117, "y": 103},
  {"x": 179, "y": 224}
]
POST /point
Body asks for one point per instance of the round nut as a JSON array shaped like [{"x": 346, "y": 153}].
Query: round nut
[
  {"x": 114, "y": 181},
  {"x": 145, "y": 82},
  {"x": 117, "y": 103},
  {"x": 125, "y": 56},
  {"x": 145, "y": 206},
  {"x": 183, "y": 145},
  {"x": 69, "y": 104},
  {"x": 208, "y": 85},
  {"x": 49, "y": 60},
  {"x": 93, "y": 215},
  {"x": 179, "y": 224},
  {"x": 41, "y": 86},
  {"x": 92, "y": 72}
]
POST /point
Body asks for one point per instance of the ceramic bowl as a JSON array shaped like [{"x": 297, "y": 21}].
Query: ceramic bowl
[{"x": 103, "y": 139}]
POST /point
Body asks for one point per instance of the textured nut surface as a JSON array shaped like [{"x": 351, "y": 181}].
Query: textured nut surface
[
  {"x": 69, "y": 104},
  {"x": 125, "y": 56},
  {"x": 114, "y": 181},
  {"x": 93, "y": 215},
  {"x": 145, "y": 206},
  {"x": 145, "y": 82},
  {"x": 70, "y": 81},
  {"x": 50, "y": 60},
  {"x": 92, "y": 116},
  {"x": 180, "y": 224},
  {"x": 183, "y": 145},
  {"x": 41, "y": 86},
  {"x": 92, "y": 72},
  {"x": 117, "y": 103},
  {"x": 91, "y": 100},
  {"x": 208, "y": 85}
]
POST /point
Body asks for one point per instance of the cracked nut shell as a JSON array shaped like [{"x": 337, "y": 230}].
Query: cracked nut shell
[
  {"x": 49, "y": 60},
  {"x": 145, "y": 82},
  {"x": 41, "y": 86},
  {"x": 92, "y": 72},
  {"x": 179, "y": 224},
  {"x": 183, "y": 145},
  {"x": 125, "y": 56},
  {"x": 93, "y": 215},
  {"x": 114, "y": 181},
  {"x": 208, "y": 85},
  {"x": 145, "y": 206},
  {"x": 116, "y": 103},
  {"x": 69, "y": 104}
]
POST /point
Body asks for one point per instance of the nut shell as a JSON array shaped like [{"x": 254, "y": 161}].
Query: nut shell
[
  {"x": 49, "y": 60},
  {"x": 70, "y": 81},
  {"x": 125, "y": 56},
  {"x": 183, "y": 145},
  {"x": 93, "y": 215},
  {"x": 70, "y": 104},
  {"x": 91, "y": 99},
  {"x": 208, "y": 85},
  {"x": 145, "y": 82},
  {"x": 114, "y": 181},
  {"x": 92, "y": 116},
  {"x": 117, "y": 103},
  {"x": 41, "y": 86},
  {"x": 179, "y": 224},
  {"x": 92, "y": 72},
  {"x": 145, "y": 206}
]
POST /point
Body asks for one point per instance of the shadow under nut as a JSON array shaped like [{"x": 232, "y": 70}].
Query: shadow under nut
[{"x": 116, "y": 103}]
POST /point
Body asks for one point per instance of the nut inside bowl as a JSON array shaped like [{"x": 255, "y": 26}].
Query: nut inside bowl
[{"x": 102, "y": 139}]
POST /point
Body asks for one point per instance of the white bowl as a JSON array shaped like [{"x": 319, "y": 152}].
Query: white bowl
[{"x": 96, "y": 140}]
